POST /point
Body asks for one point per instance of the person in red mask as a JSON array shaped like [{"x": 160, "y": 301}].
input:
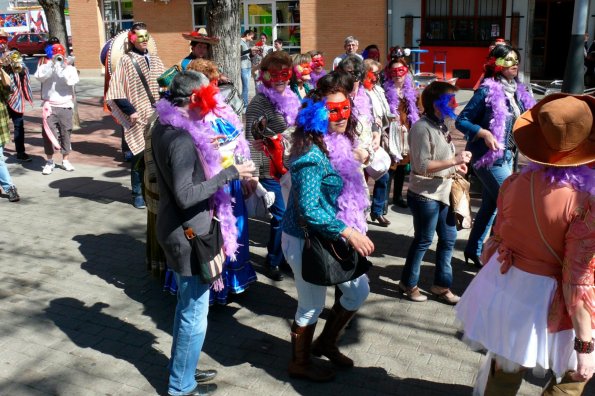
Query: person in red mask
[
  {"x": 301, "y": 75},
  {"x": 269, "y": 115}
]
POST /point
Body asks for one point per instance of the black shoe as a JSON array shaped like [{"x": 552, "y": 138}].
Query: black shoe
[
  {"x": 204, "y": 375},
  {"x": 474, "y": 259},
  {"x": 275, "y": 274},
  {"x": 202, "y": 390},
  {"x": 23, "y": 157},
  {"x": 400, "y": 202},
  {"x": 13, "y": 195}
]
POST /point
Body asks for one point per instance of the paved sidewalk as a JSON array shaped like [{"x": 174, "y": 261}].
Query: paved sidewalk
[{"x": 80, "y": 314}]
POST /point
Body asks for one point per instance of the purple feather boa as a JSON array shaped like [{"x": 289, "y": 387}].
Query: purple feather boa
[
  {"x": 363, "y": 104},
  {"x": 409, "y": 94},
  {"x": 314, "y": 77},
  {"x": 579, "y": 178},
  {"x": 201, "y": 134},
  {"x": 287, "y": 103},
  {"x": 496, "y": 99},
  {"x": 353, "y": 200}
]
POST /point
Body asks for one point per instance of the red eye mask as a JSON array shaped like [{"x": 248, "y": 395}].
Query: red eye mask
[
  {"x": 400, "y": 71},
  {"x": 338, "y": 111},
  {"x": 275, "y": 76},
  {"x": 317, "y": 61},
  {"x": 370, "y": 80}
]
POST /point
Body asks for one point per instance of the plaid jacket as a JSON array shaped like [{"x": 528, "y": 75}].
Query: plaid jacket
[{"x": 4, "y": 117}]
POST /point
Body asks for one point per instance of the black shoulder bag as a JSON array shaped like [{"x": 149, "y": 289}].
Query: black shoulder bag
[{"x": 327, "y": 262}]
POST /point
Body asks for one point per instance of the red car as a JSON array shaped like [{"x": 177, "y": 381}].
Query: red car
[{"x": 28, "y": 43}]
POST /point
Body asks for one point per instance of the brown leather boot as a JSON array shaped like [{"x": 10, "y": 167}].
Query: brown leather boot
[
  {"x": 326, "y": 343},
  {"x": 503, "y": 384},
  {"x": 301, "y": 365},
  {"x": 567, "y": 386}
]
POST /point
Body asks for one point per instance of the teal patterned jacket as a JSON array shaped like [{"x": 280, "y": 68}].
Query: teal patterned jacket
[{"x": 316, "y": 185}]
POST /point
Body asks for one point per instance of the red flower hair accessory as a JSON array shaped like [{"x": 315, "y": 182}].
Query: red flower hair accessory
[
  {"x": 491, "y": 64},
  {"x": 204, "y": 98}
]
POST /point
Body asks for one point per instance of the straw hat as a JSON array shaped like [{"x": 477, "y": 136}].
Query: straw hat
[
  {"x": 3, "y": 33},
  {"x": 200, "y": 37},
  {"x": 558, "y": 131}
]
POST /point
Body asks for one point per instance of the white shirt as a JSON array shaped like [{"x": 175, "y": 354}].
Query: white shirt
[
  {"x": 339, "y": 58},
  {"x": 57, "y": 81}
]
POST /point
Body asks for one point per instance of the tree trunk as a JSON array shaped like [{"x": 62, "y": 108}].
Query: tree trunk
[
  {"x": 54, "y": 14},
  {"x": 223, "y": 21}
]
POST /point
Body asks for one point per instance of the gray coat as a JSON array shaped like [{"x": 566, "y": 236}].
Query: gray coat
[{"x": 184, "y": 194}]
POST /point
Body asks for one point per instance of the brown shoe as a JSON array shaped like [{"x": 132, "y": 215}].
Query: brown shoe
[
  {"x": 326, "y": 343},
  {"x": 412, "y": 293},
  {"x": 301, "y": 366},
  {"x": 444, "y": 294},
  {"x": 382, "y": 221}
]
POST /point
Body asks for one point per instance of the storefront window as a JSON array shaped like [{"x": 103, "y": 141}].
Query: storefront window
[
  {"x": 199, "y": 14},
  {"x": 462, "y": 22},
  {"x": 117, "y": 16}
]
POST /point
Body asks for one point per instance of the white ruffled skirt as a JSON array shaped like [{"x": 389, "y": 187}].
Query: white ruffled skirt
[{"x": 507, "y": 315}]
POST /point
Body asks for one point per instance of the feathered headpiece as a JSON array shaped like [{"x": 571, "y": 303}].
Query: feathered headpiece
[
  {"x": 204, "y": 98},
  {"x": 443, "y": 104},
  {"x": 313, "y": 116}
]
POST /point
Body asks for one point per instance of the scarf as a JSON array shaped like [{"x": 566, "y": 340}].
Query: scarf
[
  {"x": 353, "y": 200},
  {"x": 287, "y": 103},
  {"x": 496, "y": 99},
  {"x": 409, "y": 94},
  {"x": 202, "y": 133},
  {"x": 314, "y": 77},
  {"x": 362, "y": 104}
]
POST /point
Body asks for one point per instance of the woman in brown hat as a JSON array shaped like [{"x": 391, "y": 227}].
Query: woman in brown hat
[
  {"x": 200, "y": 46},
  {"x": 532, "y": 305}
]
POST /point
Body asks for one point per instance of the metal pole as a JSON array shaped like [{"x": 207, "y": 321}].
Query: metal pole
[{"x": 573, "y": 75}]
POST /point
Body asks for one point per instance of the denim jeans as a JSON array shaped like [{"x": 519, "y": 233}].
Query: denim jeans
[
  {"x": 137, "y": 172},
  {"x": 190, "y": 328},
  {"x": 429, "y": 216},
  {"x": 5, "y": 180},
  {"x": 246, "y": 75},
  {"x": 491, "y": 179},
  {"x": 275, "y": 254},
  {"x": 379, "y": 195},
  {"x": 311, "y": 297},
  {"x": 19, "y": 130}
]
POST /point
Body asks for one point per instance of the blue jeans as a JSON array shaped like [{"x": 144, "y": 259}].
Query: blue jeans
[
  {"x": 430, "y": 216},
  {"x": 137, "y": 172},
  {"x": 379, "y": 195},
  {"x": 5, "y": 180},
  {"x": 275, "y": 254},
  {"x": 19, "y": 130},
  {"x": 190, "y": 328},
  {"x": 311, "y": 297},
  {"x": 246, "y": 74},
  {"x": 491, "y": 179}
]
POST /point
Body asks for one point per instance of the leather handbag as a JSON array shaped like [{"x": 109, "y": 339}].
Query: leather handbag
[
  {"x": 327, "y": 262},
  {"x": 460, "y": 201},
  {"x": 165, "y": 79},
  {"x": 208, "y": 251}
]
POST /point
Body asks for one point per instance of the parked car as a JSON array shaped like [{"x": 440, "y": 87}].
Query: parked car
[{"x": 28, "y": 43}]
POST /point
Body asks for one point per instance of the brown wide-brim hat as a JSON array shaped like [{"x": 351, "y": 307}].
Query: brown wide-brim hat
[
  {"x": 558, "y": 131},
  {"x": 200, "y": 36}
]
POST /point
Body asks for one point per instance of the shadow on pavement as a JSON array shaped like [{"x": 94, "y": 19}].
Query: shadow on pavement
[
  {"x": 94, "y": 190},
  {"x": 112, "y": 336}
]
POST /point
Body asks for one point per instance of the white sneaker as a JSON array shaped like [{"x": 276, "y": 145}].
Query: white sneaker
[
  {"x": 67, "y": 166},
  {"x": 48, "y": 168}
]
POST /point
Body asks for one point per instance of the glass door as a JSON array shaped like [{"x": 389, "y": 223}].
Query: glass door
[{"x": 278, "y": 19}]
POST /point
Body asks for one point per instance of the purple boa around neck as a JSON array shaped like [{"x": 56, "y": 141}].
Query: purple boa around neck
[
  {"x": 353, "y": 200},
  {"x": 362, "y": 104},
  {"x": 579, "y": 178},
  {"x": 409, "y": 94},
  {"x": 314, "y": 77},
  {"x": 201, "y": 134},
  {"x": 287, "y": 103},
  {"x": 496, "y": 99}
]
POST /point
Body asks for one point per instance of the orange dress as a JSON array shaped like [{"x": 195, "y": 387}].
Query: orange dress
[{"x": 519, "y": 304}]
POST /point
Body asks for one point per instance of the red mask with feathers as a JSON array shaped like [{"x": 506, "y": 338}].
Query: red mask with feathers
[{"x": 204, "y": 99}]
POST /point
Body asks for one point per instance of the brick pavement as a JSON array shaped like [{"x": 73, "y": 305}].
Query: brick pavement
[{"x": 80, "y": 315}]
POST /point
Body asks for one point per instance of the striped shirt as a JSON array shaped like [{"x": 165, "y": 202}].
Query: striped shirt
[{"x": 258, "y": 107}]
